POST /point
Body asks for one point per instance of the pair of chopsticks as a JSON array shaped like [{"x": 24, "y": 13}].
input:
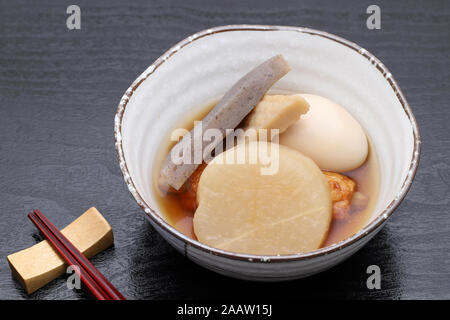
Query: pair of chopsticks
[{"x": 96, "y": 283}]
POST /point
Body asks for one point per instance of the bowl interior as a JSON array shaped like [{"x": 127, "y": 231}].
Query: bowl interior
[{"x": 200, "y": 71}]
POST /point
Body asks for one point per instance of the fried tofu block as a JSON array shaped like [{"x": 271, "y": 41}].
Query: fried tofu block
[
  {"x": 276, "y": 112},
  {"x": 188, "y": 195},
  {"x": 341, "y": 188}
]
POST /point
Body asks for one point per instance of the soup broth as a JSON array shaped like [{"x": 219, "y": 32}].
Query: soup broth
[{"x": 366, "y": 178}]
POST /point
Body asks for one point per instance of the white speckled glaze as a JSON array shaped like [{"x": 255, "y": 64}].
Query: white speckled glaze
[{"x": 202, "y": 67}]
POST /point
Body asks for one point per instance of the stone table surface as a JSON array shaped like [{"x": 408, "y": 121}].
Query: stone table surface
[{"x": 59, "y": 90}]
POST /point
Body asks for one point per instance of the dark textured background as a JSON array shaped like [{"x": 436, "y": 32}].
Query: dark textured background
[{"x": 58, "y": 94}]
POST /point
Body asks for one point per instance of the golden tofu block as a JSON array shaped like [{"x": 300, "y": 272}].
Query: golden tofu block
[{"x": 276, "y": 112}]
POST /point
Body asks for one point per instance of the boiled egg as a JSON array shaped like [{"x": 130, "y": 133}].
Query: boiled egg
[{"x": 329, "y": 135}]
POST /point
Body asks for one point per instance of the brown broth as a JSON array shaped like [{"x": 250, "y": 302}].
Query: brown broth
[{"x": 366, "y": 178}]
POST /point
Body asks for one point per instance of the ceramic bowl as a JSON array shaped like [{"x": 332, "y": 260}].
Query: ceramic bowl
[{"x": 203, "y": 66}]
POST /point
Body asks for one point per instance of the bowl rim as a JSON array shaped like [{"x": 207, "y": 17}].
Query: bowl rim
[{"x": 367, "y": 230}]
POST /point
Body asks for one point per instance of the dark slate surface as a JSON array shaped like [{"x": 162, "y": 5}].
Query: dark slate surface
[{"x": 58, "y": 94}]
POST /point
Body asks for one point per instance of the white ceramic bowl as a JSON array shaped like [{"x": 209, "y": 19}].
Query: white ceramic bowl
[{"x": 202, "y": 67}]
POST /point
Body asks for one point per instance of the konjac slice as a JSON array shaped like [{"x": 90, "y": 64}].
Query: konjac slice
[
  {"x": 241, "y": 210},
  {"x": 237, "y": 102}
]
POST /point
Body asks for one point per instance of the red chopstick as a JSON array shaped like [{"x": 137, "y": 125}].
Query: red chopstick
[{"x": 99, "y": 286}]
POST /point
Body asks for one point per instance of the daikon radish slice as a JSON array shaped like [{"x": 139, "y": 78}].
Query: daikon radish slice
[{"x": 241, "y": 210}]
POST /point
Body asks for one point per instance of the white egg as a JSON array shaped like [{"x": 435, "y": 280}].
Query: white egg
[{"x": 329, "y": 135}]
